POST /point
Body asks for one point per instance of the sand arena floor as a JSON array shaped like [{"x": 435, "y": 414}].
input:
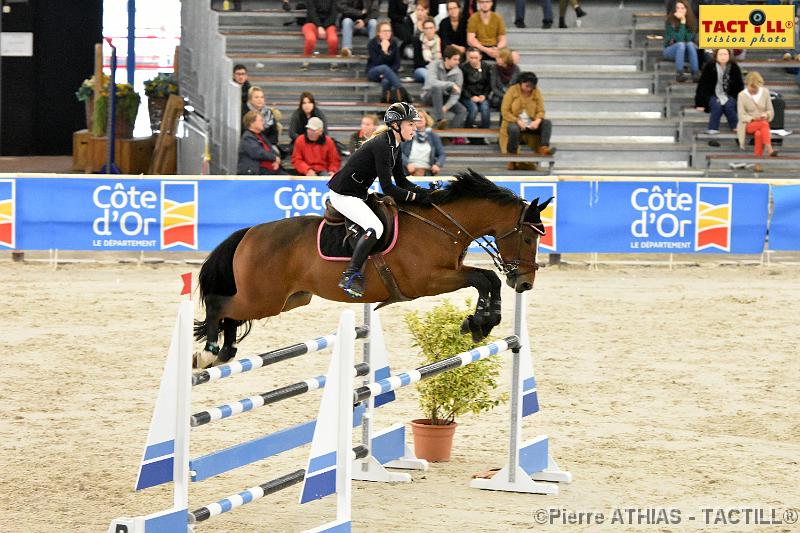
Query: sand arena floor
[{"x": 658, "y": 388}]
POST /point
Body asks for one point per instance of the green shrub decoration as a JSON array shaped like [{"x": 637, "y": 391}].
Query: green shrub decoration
[
  {"x": 127, "y": 107},
  {"x": 163, "y": 85},
  {"x": 456, "y": 392}
]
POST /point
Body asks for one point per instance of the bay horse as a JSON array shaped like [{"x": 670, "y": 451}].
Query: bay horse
[{"x": 270, "y": 268}]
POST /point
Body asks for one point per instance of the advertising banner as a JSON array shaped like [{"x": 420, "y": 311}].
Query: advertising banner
[
  {"x": 184, "y": 214},
  {"x": 784, "y": 229}
]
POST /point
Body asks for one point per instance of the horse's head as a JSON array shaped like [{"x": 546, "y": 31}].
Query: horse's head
[{"x": 519, "y": 245}]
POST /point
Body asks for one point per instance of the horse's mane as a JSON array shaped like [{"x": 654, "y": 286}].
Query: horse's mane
[{"x": 470, "y": 184}]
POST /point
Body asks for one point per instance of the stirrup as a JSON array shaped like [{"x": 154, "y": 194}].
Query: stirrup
[{"x": 352, "y": 284}]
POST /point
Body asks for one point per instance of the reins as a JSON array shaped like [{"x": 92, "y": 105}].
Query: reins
[{"x": 491, "y": 249}]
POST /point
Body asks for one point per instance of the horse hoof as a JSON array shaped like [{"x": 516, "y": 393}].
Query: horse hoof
[
  {"x": 203, "y": 360},
  {"x": 466, "y": 325}
]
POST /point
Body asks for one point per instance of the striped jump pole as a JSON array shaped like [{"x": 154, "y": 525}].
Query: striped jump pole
[
  {"x": 259, "y": 491},
  {"x": 268, "y": 358},
  {"x": 265, "y": 398},
  {"x": 412, "y": 376}
]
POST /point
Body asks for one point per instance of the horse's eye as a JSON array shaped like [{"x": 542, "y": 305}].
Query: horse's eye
[{"x": 528, "y": 240}]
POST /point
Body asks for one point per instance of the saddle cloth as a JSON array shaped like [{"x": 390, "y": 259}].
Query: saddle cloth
[{"x": 335, "y": 238}]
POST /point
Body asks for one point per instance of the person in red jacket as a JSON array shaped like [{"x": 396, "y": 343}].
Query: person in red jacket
[{"x": 314, "y": 152}]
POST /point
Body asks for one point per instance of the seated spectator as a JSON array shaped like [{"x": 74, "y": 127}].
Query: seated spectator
[
  {"x": 547, "y": 14},
  {"x": 304, "y": 112},
  {"x": 424, "y": 154},
  {"x": 427, "y": 48},
  {"x": 413, "y": 27},
  {"x": 719, "y": 86},
  {"x": 453, "y": 29},
  {"x": 445, "y": 79},
  {"x": 502, "y": 75},
  {"x": 240, "y": 77},
  {"x": 321, "y": 16},
  {"x": 754, "y": 107},
  {"x": 314, "y": 153},
  {"x": 476, "y": 90},
  {"x": 359, "y": 16},
  {"x": 369, "y": 123},
  {"x": 486, "y": 30},
  {"x": 397, "y": 12},
  {"x": 522, "y": 113},
  {"x": 256, "y": 155},
  {"x": 562, "y": 11},
  {"x": 383, "y": 61},
  {"x": 256, "y": 101},
  {"x": 679, "y": 34}
]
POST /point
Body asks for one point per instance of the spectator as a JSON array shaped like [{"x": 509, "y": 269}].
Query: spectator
[
  {"x": 314, "y": 153},
  {"x": 321, "y": 16},
  {"x": 359, "y": 16},
  {"x": 445, "y": 79},
  {"x": 679, "y": 34},
  {"x": 719, "y": 86},
  {"x": 453, "y": 29},
  {"x": 486, "y": 30},
  {"x": 256, "y": 155},
  {"x": 304, "y": 112},
  {"x": 754, "y": 107},
  {"x": 397, "y": 11},
  {"x": 383, "y": 60},
  {"x": 547, "y": 14},
  {"x": 523, "y": 119},
  {"x": 503, "y": 74},
  {"x": 427, "y": 48},
  {"x": 424, "y": 154},
  {"x": 256, "y": 101},
  {"x": 414, "y": 25},
  {"x": 369, "y": 123},
  {"x": 562, "y": 11},
  {"x": 240, "y": 77},
  {"x": 476, "y": 90}
]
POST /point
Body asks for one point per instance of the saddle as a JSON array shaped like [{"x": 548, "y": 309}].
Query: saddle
[{"x": 336, "y": 235}]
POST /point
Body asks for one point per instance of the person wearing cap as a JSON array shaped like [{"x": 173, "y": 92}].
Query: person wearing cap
[
  {"x": 380, "y": 156},
  {"x": 522, "y": 114},
  {"x": 314, "y": 152}
]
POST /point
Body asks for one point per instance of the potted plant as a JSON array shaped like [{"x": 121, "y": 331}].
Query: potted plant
[
  {"x": 468, "y": 389},
  {"x": 85, "y": 94},
  {"x": 157, "y": 91}
]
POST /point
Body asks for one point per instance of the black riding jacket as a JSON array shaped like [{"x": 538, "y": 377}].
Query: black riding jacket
[{"x": 381, "y": 158}]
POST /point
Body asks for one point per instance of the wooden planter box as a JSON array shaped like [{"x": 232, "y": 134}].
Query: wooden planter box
[{"x": 132, "y": 156}]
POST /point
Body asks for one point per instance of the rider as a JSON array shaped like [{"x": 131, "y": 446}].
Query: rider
[{"x": 379, "y": 156}]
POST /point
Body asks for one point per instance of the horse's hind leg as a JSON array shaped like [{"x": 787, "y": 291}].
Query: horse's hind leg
[
  {"x": 228, "y": 351},
  {"x": 214, "y": 305}
]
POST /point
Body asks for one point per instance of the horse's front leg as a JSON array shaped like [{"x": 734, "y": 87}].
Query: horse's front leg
[
  {"x": 452, "y": 280},
  {"x": 495, "y": 302}
]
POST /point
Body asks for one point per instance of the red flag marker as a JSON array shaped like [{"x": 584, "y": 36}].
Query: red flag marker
[{"x": 187, "y": 284}]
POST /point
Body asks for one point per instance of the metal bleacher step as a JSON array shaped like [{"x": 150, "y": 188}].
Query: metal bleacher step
[
  {"x": 569, "y": 39},
  {"x": 607, "y": 155}
]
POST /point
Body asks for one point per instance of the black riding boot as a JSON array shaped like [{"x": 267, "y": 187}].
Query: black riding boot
[{"x": 352, "y": 280}]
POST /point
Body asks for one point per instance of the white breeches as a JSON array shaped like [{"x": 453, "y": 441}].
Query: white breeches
[{"x": 356, "y": 210}]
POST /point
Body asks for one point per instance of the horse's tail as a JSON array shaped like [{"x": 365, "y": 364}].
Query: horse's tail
[{"x": 216, "y": 278}]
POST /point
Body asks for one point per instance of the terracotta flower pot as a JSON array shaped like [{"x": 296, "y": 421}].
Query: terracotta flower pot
[
  {"x": 155, "y": 107},
  {"x": 89, "y": 106},
  {"x": 432, "y": 443}
]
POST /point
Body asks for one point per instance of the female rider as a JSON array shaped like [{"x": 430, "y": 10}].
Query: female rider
[{"x": 379, "y": 157}]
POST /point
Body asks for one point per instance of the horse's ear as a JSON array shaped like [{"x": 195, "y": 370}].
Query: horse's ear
[
  {"x": 544, "y": 205},
  {"x": 535, "y": 201}
]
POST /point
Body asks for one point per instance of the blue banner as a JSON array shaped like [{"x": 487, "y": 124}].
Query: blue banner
[
  {"x": 123, "y": 213},
  {"x": 784, "y": 229}
]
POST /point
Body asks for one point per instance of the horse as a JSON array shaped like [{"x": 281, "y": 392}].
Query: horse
[{"x": 274, "y": 267}]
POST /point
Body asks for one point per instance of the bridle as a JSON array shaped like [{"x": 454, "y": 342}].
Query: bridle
[{"x": 505, "y": 267}]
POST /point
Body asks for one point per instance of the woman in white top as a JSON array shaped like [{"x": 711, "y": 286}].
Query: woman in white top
[{"x": 755, "y": 111}]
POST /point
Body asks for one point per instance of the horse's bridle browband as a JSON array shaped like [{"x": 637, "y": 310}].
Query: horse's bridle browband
[{"x": 505, "y": 267}]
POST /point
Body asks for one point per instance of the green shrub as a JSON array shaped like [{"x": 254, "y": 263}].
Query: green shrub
[{"x": 456, "y": 392}]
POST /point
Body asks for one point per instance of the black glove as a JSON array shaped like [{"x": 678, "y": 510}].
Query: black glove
[{"x": 423, "y": 197}]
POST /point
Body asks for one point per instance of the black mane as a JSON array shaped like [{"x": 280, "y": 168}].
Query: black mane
[{"x": 470, "y": 184}]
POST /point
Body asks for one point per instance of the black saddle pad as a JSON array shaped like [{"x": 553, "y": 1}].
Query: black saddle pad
[{"x": 334, "y": 243}]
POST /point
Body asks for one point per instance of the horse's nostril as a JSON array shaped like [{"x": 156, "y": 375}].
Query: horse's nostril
[{"x": 527, "y": 286}]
